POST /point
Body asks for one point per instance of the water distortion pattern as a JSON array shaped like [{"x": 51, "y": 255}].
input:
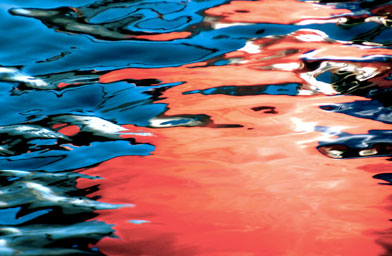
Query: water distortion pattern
[{"x": 195, "y": 127}]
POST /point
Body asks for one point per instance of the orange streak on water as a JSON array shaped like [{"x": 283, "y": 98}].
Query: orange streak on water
[
  {"x": 165, "y": 36},
  {"x": 273, "y": 11},
  {"x": 201, "y": 78},
  {"x": 61, "y": 85},
  {"x": 55, "y": 126}
]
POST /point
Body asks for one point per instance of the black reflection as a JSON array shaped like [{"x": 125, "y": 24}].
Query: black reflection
[
  {"x": 54, "y": 81},
  {"x": 369, "y": 109},
  {"x": 74, "y": 78},
  {"x": 364, "y": 78},
  {"x": 58, "y": 132},
  {"x": 375, "y": 143},
  {"x": 271, "y": 89},
  {"x": 201, "y": 120},
  {"x": 54, "y": 58},
  {"x": 111, "y": 20},
  {"x": 266, "y": 109},
  {"x": 67, "y": 19},
  {"x": 358, "y": 5},
  {"x": 33, "y": 204},
  {"x": 384, "y": 176}
]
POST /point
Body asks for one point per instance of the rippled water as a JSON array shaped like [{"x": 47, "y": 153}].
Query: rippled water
[{"x": 195, "y": 127}]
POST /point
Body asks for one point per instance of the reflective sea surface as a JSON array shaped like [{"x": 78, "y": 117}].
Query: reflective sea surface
[{"x": 195, "y": 127}]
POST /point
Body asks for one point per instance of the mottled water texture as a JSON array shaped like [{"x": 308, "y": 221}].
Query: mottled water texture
[{"x": 197, "y": 127}]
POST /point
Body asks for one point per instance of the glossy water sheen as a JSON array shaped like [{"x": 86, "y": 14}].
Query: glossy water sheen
[{"x": 198, "y": 127}]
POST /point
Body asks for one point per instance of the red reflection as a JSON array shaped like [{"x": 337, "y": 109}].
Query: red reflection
[
  {"x": 273, "y": 11},
  {"x": 274, "y": 60},
  {"x": 164, "y": 37},
  {"x": 236, "y": 191},
  {"x": 69, "y": 130},
  {"x": 384, "y": 10},
  {"x": 262, "y": 189}
]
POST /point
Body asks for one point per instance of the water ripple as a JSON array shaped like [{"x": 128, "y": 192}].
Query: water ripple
[{"x": 126, "y": 124}]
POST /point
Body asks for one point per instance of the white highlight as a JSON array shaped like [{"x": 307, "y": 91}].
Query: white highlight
[
  {"x": 317, "y": 86},
  {"x": 159, "y": 122},
  {"x": 250, "y": 47},
  {"x": 341, "y": 20},
  {"x": 21, "y": 11},
  {"x": 361, "y": 74},
  {"x": 227, "y": 25},
  {"x": 47, "y": 194},
  {"x": 310, "y": 35},
  {"x": 14, "y": 75},
  {"x": 301, "y": 126},
  {"x": 287, "y": 66}
]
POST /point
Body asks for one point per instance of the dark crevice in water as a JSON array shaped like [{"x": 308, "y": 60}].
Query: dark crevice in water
[{"x": 266, "y": 109}]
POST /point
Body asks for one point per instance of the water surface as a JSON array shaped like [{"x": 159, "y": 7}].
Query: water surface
[{"x": 195, "y": 127}]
